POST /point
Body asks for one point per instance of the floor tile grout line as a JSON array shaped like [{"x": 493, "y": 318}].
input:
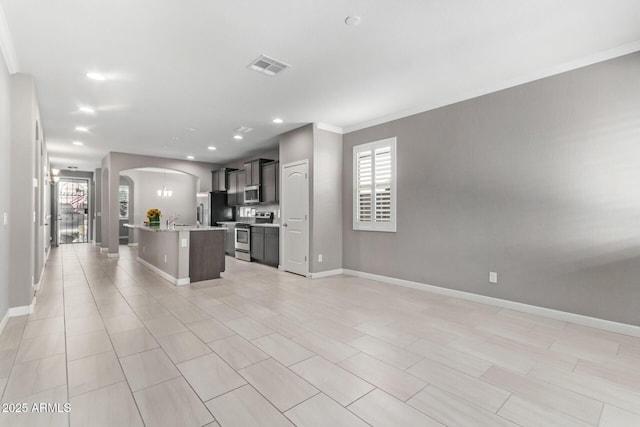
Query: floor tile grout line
[
  {"x": 161, "y": 348},
  {"x": 66, "y": 358},
  {"x": 113, "y": 348}
]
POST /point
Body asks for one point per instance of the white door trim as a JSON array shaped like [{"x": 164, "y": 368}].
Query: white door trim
[{"x": 283, "y": 210}]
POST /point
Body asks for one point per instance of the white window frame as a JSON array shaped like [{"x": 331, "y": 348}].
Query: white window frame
[{"x": 373, "y": 225}]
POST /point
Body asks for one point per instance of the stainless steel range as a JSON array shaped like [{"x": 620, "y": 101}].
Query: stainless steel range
[{"x": 243, "y": 241}]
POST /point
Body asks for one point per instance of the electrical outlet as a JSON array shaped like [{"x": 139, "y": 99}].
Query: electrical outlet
[
  {"x": 320, "y": 258},
  {"x": 493, "y": 277},
  {"x": 6, "y": 218},
  {"x": 184, "y": 243},
  {"x": 165, "y": 258}
]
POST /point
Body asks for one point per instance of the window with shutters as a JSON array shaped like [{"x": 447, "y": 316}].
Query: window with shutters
[{"x": 374, "y": 186}]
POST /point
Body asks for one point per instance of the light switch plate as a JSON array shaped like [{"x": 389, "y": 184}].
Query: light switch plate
[
  {"x": 6, "y": 218},
  {"x": 184, "y": 243}
]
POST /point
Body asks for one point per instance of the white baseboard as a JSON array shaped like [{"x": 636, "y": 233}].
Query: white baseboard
[
  {"x": 36, "y": 286},
  {"x": 164, "y": 274},
  {"x": 22, "y": 310},
  {"x": 4, "y": 321},
  {"x": 593, "y": 322},
  {"x": 133, "y": 244},
  {"x": 116, "y": 255},
  {"x": 327, "y": 273}
]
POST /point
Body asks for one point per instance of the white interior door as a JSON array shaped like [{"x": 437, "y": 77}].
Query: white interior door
[{"x": 295, "y": 217}]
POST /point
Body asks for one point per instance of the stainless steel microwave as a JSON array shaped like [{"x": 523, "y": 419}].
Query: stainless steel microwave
[{"x": 252, "y": 194}]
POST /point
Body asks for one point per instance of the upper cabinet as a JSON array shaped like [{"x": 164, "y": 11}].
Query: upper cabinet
[
  {"x": 236, "y": 183},
  {"x": 261, "y": 172},
  {"x": 253, "y": 171},
  {"x": 270, "y": 182},
  {"x": 220, "y": 179}
]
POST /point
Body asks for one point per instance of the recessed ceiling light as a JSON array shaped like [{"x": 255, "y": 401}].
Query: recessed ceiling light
[
  {"x": 77, "y": 143},
  {"x": 353, "y": 21},
  {"x": 87, "y": 110},
  {"x": 96, "y": 76},
  {"x": 191, "y": 129},
  {"x": 190, "y": 157},
  {"x": 82, "y": 129},
  {"x": 238, "y": 137},
  {"x": 277, "y": 120},
  {"x": 211, "y": 147}
]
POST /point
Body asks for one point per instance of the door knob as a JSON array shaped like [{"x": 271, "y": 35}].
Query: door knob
[{"x": 285, "y": 225}]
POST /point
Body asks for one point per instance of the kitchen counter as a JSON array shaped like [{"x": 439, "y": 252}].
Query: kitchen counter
[
  {"x": 184, "y": 254},
  {"x": 265, "y": 225},
  {"x": 175, "y": 228}
]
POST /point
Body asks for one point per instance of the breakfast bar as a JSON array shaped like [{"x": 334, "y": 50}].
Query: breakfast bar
[{"x": 182, "y": 254}]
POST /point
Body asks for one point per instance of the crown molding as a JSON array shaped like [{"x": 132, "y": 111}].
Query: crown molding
[
  {"x": 329, "y": 127},
  {"x": 540, "y": 74},
  {"x": 6, "y": 44}
]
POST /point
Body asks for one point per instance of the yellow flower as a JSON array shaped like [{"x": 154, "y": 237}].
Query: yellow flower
[{"x": 153, "y": 213}]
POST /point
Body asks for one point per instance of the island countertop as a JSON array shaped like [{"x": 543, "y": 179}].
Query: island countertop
[{"x": 176, "y": 228}]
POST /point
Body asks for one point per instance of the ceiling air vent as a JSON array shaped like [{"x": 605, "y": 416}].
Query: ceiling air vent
[
  {"x": 268, "y": 66},
  {"x": 243, "y": 129}
]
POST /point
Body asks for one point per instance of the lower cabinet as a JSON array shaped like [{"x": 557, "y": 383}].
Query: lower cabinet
[
  {"x": 272, "y": 246},
  {"x": 265, "y": 245},
  {"x": 230, "y": 240},
  {"x": 257, "y": 244}
]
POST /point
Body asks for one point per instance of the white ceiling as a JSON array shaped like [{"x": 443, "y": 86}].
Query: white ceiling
[{"x": 177, "y": 64}]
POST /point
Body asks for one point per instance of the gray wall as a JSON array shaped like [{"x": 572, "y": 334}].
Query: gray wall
[
  {"x": 538, "y": 182},
  {"x": 5, "y": 186},
  {"x": 115, "y": 162},
  {"x": 97, "y": 195},
  {"x": 323, "y": 149},
  {"x": 182, "y": 203},
  {"x": 327, "y": 201},
  {"x": 22, "y": 234},
  {"x": 297, "y": 145},
  {"x": 156, "y": 246}
]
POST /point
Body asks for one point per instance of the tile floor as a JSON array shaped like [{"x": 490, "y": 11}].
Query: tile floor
[{"x": 265, "y": 348}]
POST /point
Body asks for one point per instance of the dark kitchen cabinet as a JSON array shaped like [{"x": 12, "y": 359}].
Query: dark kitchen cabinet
[
  {"x": 232, "y": 192},
  {"x": 230, "y": 240},
  {"x": 265, "y": 245},
  {"x": 253, "y": 170},
  {"x": 272, "y": 246},
  {"x": 220, "y": 179},
  {"x": 235, "y": 193},
  {"x": 257, "y": 244},
  {"x": 241, "y": 176},
  {"x": 270, "y": 181}
]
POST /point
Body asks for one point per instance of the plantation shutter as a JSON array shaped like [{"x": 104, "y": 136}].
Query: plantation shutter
[
  {"x": 374, "y": 186},
  {"x": 364, "y": 186},
  {"x": 383, "y": 184}
]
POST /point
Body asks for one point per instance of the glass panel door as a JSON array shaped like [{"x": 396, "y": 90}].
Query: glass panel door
[{"x": 73, "y": 211}]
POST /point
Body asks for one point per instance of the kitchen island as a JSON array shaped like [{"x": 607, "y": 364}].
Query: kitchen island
[{"x": 182, "y": 254}]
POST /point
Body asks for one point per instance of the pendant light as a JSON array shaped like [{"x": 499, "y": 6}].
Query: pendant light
[{"x": 164, "y": 193}]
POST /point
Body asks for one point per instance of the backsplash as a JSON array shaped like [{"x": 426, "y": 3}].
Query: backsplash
[{"x": 247, "y": 213}]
